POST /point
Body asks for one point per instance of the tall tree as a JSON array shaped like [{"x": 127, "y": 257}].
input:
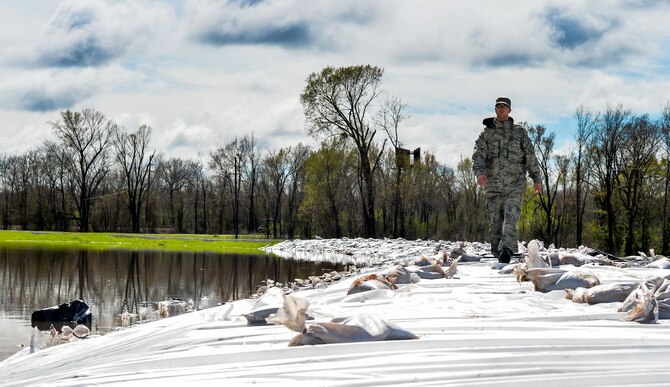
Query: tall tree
[
  {"x": 295, "y": 185},
  {"x": 138, "y": 166},
  {"x": 664, "y": 126},
  {"x": 174, "y": 174},
  {"x": 605, "y": 152},
  {"x": 86, "y": 136},
  {"x": 389, "y": 119},
  {"x": 276, "y": 167},
  {"x": 250, "y": 171},
  {"x": 199, "y": 187},
  {"x": 38, "y": 186},
  {"x": 228, "y": 162},
  {"x": 586, "y": 124},
  {"x": 56, "y": 160},
  {"x": 544, "y": 148},
  {"x": 336, "y": 102},
  {"x": 562, "y": 212},
  {"x": 638, "y": 153},
  {"x": 21, "y": 173}
]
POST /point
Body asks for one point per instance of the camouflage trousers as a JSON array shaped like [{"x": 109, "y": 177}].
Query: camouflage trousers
[{"x": 503, "y": 208}]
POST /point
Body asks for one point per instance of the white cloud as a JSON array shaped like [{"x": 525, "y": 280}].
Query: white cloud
[
  {"x": 94, "y": 32},
  {"x": 58, "y": 89},
  {"x": 289, "y": 23}
]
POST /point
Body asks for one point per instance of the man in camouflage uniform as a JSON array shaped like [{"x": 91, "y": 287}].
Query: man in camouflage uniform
[{"x": 503, "y": 154}]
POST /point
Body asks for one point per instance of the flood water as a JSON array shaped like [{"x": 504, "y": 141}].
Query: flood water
[{"x": 113, "y": 282}]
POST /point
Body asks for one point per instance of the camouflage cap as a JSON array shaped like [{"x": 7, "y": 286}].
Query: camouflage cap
[{"x": 504, "y": 100}]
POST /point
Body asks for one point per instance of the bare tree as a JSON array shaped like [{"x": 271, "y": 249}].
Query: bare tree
[
  {"x": 664, "y": 127},
  {"x": 586, "y": 124},
  {"x": 561, "y": 211},
  {"x": 228, "y": 162},
  {"x": 86, "y": 136},
  {"x": 389, "y": 119},
  {"x": 38, "y": 187},
  {"x": 250, "y": 171},
  {"x": 276, "y": 167},
  {"x": 336, "y": 102},
  {"x": 296, "y": 179},
  {"x": 137, "y": 164},
  {"x": 6, "y": 176},
  {"x": 604, "y": 153},
  {"x": 21, "y": 175},
  {"x": 55, "y": 172},
  {"x": 638, "y": 152},
  {"x": 174, "y": 174},
  {"x": 544, "y": 148},
  {"x": 198, "y": 184}
]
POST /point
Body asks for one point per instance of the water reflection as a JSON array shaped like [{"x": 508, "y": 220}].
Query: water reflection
[{"x": 128, "y": 284}]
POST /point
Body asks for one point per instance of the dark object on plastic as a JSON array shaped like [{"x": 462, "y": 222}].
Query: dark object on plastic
[
  {"x": 594, "y": 252},
  {"x": 72, "y": 314}
]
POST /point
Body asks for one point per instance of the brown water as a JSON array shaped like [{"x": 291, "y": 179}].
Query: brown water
[{"x": 113, "y": 282}]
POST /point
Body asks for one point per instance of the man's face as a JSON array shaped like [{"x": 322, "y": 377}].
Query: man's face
[{"x": 502, "y": 112}]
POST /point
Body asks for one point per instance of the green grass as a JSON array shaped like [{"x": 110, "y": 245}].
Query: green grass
[{"x": 107, "y": 241}]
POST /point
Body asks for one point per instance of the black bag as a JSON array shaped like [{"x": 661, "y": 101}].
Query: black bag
[{"x": 72, "y": 314}]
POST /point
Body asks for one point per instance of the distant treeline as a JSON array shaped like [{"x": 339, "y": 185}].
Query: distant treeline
[
  {"x": 611, "y": 192},
  {"x": 97, "y": 177}
]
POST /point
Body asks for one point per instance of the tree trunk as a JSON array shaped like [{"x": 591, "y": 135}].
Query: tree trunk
[{"x": 369, "y": 201}]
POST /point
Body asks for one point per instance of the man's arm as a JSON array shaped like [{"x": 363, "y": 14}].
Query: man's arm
[
  {"x": 479, "y": 159},
  {"x": 532, "y": 165}
]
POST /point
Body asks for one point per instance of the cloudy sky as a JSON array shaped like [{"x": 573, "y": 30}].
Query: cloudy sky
[{"x": 203, "y": 72}]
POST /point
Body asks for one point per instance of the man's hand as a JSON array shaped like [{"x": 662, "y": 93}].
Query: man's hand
[
  {"x": 537, "y": 187},
  {"x": 481, "y": 180}
]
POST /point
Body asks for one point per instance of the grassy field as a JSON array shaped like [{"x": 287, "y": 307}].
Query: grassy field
[{"x": 104, "y": 241}]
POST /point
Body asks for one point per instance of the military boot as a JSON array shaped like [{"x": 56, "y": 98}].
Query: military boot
[{"x": 505, "y": 255}]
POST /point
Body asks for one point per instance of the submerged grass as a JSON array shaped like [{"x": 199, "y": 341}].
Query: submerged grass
[{"x": 107, "y": 241}]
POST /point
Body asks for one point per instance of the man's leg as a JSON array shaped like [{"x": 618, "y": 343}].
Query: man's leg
[
  {"x": 495, "y": 212},
  {"x": 510, "y": 230}
]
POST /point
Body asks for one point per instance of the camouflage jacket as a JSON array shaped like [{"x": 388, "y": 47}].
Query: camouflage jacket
[{"x": 504, "y": 153}]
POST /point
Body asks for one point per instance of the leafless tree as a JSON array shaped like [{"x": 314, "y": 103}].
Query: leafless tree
[
  {"x": 389, "y": 119},
  {"x": 664, "y": 126},
  {"x": 586, "y": 124},
  {"x": 55, "y": 159},
  {"x": 276, "y": 168},
  {"x": 174, "y": 174},
  {"x": 638, "y": 151},
  {"x": 295, "y": 192},
  {"x": 198, "y": 184},
  {"x": 250, "y": 171},
  {"x": 562, "y": 212},
  {"x": 20, "y": 178},
  {"x": 8, "y": 193},
  {"x": 86, "y": 136},
  {"x": 605, "y": 152},
  {"x": 138, "y": 166},
  {"x": 543, "y": 143},
  {"x": 228, "y": 162}
]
